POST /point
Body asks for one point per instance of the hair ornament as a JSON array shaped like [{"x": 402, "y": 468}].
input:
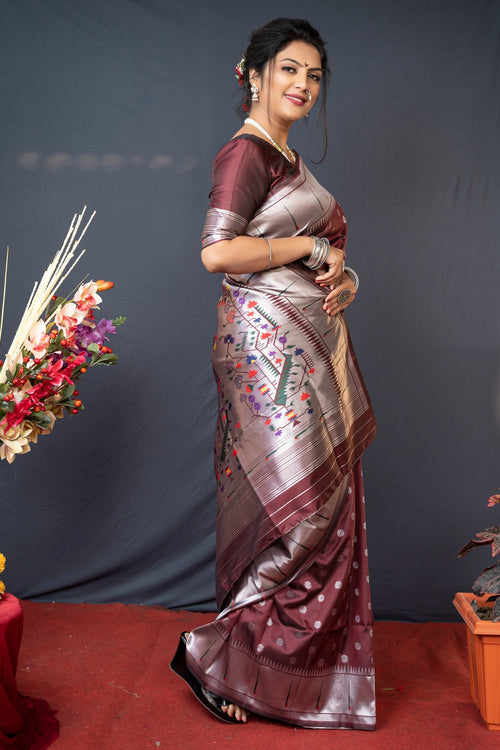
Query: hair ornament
[{"x": 240, "y": 69}]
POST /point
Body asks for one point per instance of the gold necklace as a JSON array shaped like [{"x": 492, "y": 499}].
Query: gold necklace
[{"x": 286, "y": 152}]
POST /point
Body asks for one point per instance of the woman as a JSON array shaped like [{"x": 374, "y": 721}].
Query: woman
[{"x": 293, "y": 640}]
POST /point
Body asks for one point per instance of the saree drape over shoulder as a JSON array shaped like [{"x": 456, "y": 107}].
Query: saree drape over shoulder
[{"x": 293, "y": 640}]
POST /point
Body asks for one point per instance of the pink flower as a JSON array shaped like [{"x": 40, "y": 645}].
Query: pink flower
[
  {"x": 86, "y": 297},
  {"x": 56, "y": 373},
  {"x": 40, "y": 391},
  {"x": 493, "y": 500},
  {"x": 37, "y": 341},
  {"x": 21, "y": 410},
  {"x": 67, "y": 317},
  {"x": 62, "y": 370}
]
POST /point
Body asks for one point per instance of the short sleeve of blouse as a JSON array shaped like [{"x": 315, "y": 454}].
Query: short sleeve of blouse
[{"x": 241, "y": 178}]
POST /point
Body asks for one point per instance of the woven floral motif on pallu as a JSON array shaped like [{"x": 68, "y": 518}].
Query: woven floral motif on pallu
[{"x": 294, "y": 415}]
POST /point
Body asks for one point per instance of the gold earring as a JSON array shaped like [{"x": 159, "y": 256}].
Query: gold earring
[{"x": 255, "y": 92}]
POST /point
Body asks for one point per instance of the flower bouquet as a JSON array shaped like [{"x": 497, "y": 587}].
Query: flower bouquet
[
  {"x": 56, "y": 342},
  {"x": 2, "y": 568}
]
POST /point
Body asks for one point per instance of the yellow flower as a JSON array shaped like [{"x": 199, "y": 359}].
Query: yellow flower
[
  {"x": 2, "y": 563},
  {"x": 2, "y": 588}
]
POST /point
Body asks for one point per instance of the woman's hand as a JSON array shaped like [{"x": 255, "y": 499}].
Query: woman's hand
[
  {"x": 331, "y": 304},
  {"x": 334, "y": 261}
]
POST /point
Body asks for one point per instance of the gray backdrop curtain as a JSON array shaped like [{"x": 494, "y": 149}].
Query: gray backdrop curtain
[{"x": 122, "y": 106}]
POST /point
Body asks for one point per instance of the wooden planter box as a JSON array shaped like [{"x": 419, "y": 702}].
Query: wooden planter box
[{"x": 483, "y": 641}]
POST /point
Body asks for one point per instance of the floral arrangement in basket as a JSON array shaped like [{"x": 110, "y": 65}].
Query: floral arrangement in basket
[
  {"x": 2, "y": 568},
  {"x": 56, "y": 342}
]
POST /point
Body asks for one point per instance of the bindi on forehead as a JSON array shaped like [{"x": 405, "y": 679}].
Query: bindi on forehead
[{"x": 296, "y": 62}]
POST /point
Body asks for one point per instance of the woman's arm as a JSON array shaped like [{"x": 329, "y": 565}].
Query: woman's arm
[
  {"x": 250, "y": 254},
  {"x": 241, "y": 180}
]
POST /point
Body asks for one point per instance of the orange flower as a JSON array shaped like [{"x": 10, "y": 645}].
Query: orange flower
[{"x": 103, "y": 286}]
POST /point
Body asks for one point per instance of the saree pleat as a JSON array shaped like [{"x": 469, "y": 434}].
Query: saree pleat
[{"x": 293, "y": 640}]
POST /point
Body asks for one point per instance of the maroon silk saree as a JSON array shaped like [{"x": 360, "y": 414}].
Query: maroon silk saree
[{"x": 293, "y": 639}]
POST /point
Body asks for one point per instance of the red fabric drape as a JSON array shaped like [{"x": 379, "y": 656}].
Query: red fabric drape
[{"x": 25, "y": 723}]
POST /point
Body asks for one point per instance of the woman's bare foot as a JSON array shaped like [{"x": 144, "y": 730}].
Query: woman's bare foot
[
  {"x": 220, "y": 707},
  {"x": 240, "y": 714}
]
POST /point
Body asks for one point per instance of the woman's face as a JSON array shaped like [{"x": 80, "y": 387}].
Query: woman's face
[{"x": 290, "y": 84}]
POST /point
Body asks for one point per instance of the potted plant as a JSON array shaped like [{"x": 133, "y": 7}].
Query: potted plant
[{"x": 481, "y": 613}]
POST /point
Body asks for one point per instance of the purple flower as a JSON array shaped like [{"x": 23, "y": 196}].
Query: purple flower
[
  {"x": 282, "y": 339},
  {"x": 85, "y": 335},
  {"x": 256, "y": 406},
  {"x": 251, "y": 398},
  {"x": 277, "y": 433}
]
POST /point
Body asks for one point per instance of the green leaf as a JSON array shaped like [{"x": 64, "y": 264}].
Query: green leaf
[
  {"x": 488, "y": 582},
  {"x": 94, "y": 348},
  {"x": 66, "y": 392},
  {"x": 119, "y": 321},
  {"x": 106, "y": 359},
  {"x": 53, "y": 304},
  {"x": 40, "y": 418}
]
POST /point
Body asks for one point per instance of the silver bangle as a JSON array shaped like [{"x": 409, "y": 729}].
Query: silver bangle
[
  {"x": 316, "y": 259},
  {"x": 320, "y": 251},
  {"x": 352, "y": 275},
  {"x": 270, "y": 254}
]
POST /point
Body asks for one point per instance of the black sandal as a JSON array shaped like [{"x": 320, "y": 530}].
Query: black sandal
[{"x": 208, "y": 699}]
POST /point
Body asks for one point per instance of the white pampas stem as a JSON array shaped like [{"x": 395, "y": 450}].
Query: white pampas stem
[
  {"x": 4, "y": 289},
  {"x": 43, "y": 290}
]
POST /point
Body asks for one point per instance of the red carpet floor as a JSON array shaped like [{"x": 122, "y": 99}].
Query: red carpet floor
[{"x": 104, "y": 668}]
